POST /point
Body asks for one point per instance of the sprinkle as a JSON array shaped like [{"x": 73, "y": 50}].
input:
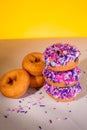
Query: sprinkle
[
  {"x": 23, "y": 99},
  {"x": 42, "y": 105},
  {"x": 34, "y": 104},
  {"x": 14, "y": 110},
  {"x": 22, "y": 111},
  {"x": 54, "y": 108},
  {"x": 41, "y": 97},
  {"x": 40, "y": 93},
  {"x": 5, "y": 116},
  {"x": 20, "y": 101},
  {"x": 65, "y": 118},
  {"x": 50, "y": 121},
  {"x": 40, "y": 127},
  {"x": 70, "y": 111},
  {"x": 19, "y": 105},
  {"x": 26, "y": 112},
  {"x": 46, "y": 112}
]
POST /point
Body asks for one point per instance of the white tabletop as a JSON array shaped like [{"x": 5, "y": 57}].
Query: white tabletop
[{"x": 36, "y": 110}]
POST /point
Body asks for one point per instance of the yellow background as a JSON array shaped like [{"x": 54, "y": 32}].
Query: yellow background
[{"x": 47, "y": 18}]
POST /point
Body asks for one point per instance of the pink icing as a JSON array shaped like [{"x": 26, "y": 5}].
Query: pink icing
[
  {"x": 69, "y": 77},
  {"x": 63, "y": 93},
  {"x": 60, "y": 54}
]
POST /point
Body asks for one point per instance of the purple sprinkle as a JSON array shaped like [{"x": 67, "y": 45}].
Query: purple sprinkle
[
  {"x": 22, "y": 111},
  {"x": 34, "y": 104},
  {"x": 54, "y": 108},
  {"x": 18, "y": 111},
  {"x": 26, "y": 112},
  {"x": 19, "y": 105},
  {"x": 23, "y": 99},
  {"x": 45, "y": 111},
  {"x": 13, "y": 110},
  {"x": 70, "y": 111},
  {"x": 50, "y": 121},
  {"x": 42, "y": 105},
  {"x": 5, "y": 116},
  {"x": 40, "y": 93},
  {"x": 65, "y": 118},
  {"x": 29, "y": 108},
  {"x": 40, "y": 127},
  {"x": 20, "y": 101}
]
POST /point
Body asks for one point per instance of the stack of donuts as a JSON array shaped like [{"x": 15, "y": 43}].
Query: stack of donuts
[{"x": 61, "y": 71}]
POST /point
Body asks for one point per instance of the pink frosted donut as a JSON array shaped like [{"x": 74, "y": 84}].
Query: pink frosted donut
[
  {"x": 60, "y": 79},
  {"x": 62, "y": 94},
  {"x": 61, "y": 56}
]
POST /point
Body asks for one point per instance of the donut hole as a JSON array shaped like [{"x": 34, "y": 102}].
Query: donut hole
[
  {"x": 35, "y": 60},
  {"x": 11, "y": 80},
  {"x": 59, "y": 52}
]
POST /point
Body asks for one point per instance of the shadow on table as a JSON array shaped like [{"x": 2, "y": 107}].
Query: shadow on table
[
  {"x": 83, "y": 78},
  {"x": 30, "y": 91}
]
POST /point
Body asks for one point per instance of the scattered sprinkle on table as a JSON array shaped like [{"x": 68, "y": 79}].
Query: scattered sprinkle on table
[
  {"x": 40, "y": 127},
  {"x": 70, "y": 111},
  {"x": 65, "y": 118},
  {"x": 50, "y": 121},
  {"x": 5, "y": 116}
]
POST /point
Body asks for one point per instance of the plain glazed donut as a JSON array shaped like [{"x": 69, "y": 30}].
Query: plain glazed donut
[
  {"x": 61, "y": 57},
  {"x": 33, "y": 63},
  {"x": 61, "y": 78},
  {"x": 14, "y": 83},
  {"x": 63, "y": 94},
  {"x": 36, "y": 81}
]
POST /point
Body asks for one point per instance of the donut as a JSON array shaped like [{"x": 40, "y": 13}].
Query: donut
[
  {"x": 61, "y": 57},
  {"x": 14, "y": 83},
  {"x": 63, "y": 94},
  {"x": 61, "y": 78},
  {"x": 33, "y": 63},
  {"x": 36, "y": 81}
]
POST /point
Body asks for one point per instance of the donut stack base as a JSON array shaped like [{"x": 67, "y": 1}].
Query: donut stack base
[{"x": 63, "y": 94}]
